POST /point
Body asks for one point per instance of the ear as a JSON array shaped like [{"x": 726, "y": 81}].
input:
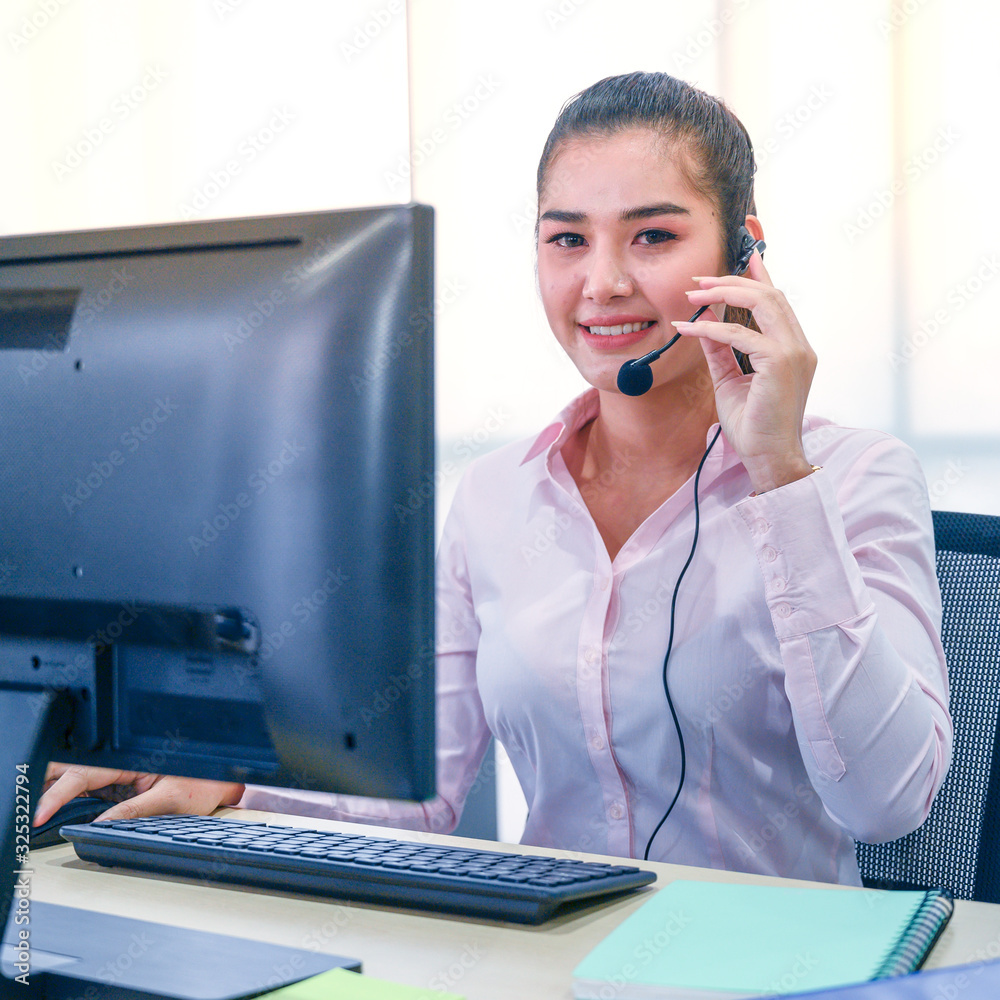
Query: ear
[{"x": 754, "y": 227}]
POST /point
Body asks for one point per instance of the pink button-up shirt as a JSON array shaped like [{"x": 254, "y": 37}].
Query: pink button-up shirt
[{"x": 806, "y": 670}]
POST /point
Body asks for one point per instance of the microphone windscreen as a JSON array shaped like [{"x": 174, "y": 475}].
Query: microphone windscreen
[{"x": 634, "y": 379}]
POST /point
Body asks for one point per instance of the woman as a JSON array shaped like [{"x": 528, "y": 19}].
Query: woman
[{"x": 703, "y": 625}]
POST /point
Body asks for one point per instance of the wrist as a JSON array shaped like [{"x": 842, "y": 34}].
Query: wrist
[
  {"x": 232, "y": 794},
  {"x": 774, "y": 475}
]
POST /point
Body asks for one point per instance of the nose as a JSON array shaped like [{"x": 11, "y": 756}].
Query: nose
[{"x": 608, "y": 276}]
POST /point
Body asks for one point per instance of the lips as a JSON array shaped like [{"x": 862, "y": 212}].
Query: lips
[
  {"x": 619, "y": 329},
  {"x": 614, "y": 332}
]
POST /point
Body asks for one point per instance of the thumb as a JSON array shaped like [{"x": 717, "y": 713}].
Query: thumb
[{"x": 722, "y": 364}]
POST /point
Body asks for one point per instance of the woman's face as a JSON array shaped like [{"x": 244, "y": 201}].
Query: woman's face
[{"x": 621, "y": 236}]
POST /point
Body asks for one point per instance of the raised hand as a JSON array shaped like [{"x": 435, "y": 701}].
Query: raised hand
[{"x": 761, "y": 414}]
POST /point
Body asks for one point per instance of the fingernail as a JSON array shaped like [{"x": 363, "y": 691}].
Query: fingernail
[{"x": 681, "y": 324}]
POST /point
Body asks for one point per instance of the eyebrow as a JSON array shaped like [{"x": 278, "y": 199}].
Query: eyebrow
[
  {"x": 628, "y": 215},
  {"x": 646, "y": 211}
]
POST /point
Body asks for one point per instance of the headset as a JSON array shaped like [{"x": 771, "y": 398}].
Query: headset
[
  {"x": 635, "y": 377},
  {"x": 670, "y": 644}
]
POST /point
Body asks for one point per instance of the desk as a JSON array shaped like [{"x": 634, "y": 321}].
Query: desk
[{"x": 478, "y": 959}]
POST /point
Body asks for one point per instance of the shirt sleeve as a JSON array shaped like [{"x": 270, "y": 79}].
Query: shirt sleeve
[
  {"x": 850, "y": 582},
  {"x": 462, "y": 735}
]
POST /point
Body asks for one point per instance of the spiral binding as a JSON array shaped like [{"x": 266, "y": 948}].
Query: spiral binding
[{"x": 909, "y": 952}]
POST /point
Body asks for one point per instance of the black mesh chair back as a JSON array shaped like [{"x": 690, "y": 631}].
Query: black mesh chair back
[{"x": 958, "y": 847}]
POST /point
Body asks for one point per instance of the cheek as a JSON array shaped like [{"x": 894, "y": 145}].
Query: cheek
[
  {"x": 669, "y": 284},
  {"x": 556, "y": 313},
  {"x": 556, "y": 289},
  {"x": 667, "y": 289}
]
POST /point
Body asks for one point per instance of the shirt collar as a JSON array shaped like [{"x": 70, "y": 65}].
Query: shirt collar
[{"x": 585, "y": 407}]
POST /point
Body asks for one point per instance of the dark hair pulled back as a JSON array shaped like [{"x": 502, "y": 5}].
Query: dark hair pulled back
[{"x": 720, "y": 165}]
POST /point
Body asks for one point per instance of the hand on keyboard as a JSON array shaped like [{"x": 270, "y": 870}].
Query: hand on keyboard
[{"x": 136, "y": 793}]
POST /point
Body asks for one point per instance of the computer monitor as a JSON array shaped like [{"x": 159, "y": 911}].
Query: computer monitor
[{"x": 216, "y": 502}]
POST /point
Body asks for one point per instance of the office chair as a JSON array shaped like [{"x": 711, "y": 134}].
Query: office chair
[{"x": 958, "y": 847}]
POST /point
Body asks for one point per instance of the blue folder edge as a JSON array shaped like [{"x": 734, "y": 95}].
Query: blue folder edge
[{"x": 978, "y": 981}]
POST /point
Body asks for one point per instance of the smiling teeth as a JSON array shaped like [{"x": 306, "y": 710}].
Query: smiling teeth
[{"x": 617, "y": 331}]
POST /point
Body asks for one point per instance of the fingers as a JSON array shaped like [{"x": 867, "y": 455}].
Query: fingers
[
  {"x": 769, "y": 306},
  {"x": 156, "y": 801},
  {"x": 722, "y": 365},
  {"x": 154, "y": 795},
  {"x": 757, "y": 270},
  {"x": 173, "y": 795},
  {"x": 724, "y": 334},
  {"x": 768, "y": 353},
  {"x": 67, "y": 781},
  {"x": 783, "y": 338},
  {"x": 761, "y": 413},
  {"x": 54, "y": 771}
]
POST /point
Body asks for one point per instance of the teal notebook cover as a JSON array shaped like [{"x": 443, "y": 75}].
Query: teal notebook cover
[{"x": 719, "y": 939}]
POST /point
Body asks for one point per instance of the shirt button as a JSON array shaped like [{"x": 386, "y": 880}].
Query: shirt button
[
  {"x": 597, "y": 743},
  {"x": 783, "y": 610},
  {"x": 616, "y": 811},
  {"x": 760, "y": 526},
  {"x": 778, "y": 584},
  {"x": 602, "y": 583},
  {"x": 769, "y": 553},
  {"x": 591, "y": 656}
]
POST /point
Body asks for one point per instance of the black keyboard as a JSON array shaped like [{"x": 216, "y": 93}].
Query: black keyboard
[{"x": 518, "y": 887}]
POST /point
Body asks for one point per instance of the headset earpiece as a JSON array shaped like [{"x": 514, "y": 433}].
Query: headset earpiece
[{"x": 747, "y": 246}]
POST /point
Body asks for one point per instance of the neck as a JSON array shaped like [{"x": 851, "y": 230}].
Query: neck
[{"x": 665, "y": 428}]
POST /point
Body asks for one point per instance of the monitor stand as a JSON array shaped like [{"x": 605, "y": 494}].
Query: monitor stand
[{"x": 59, "y": 952}]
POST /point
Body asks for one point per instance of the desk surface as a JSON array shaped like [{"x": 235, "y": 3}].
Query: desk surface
[{"x": 477, "y": 959}]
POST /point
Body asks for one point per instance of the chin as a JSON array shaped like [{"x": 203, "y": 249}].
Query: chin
[{"x": 605, "y": 379}]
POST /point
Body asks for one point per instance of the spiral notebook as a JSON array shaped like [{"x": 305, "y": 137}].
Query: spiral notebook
[{"x": 721, "y": 940}]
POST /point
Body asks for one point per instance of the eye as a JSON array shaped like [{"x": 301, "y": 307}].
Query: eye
[
  {"x": 652, "y": 237},
  {"x": 568, "y": 240}
]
